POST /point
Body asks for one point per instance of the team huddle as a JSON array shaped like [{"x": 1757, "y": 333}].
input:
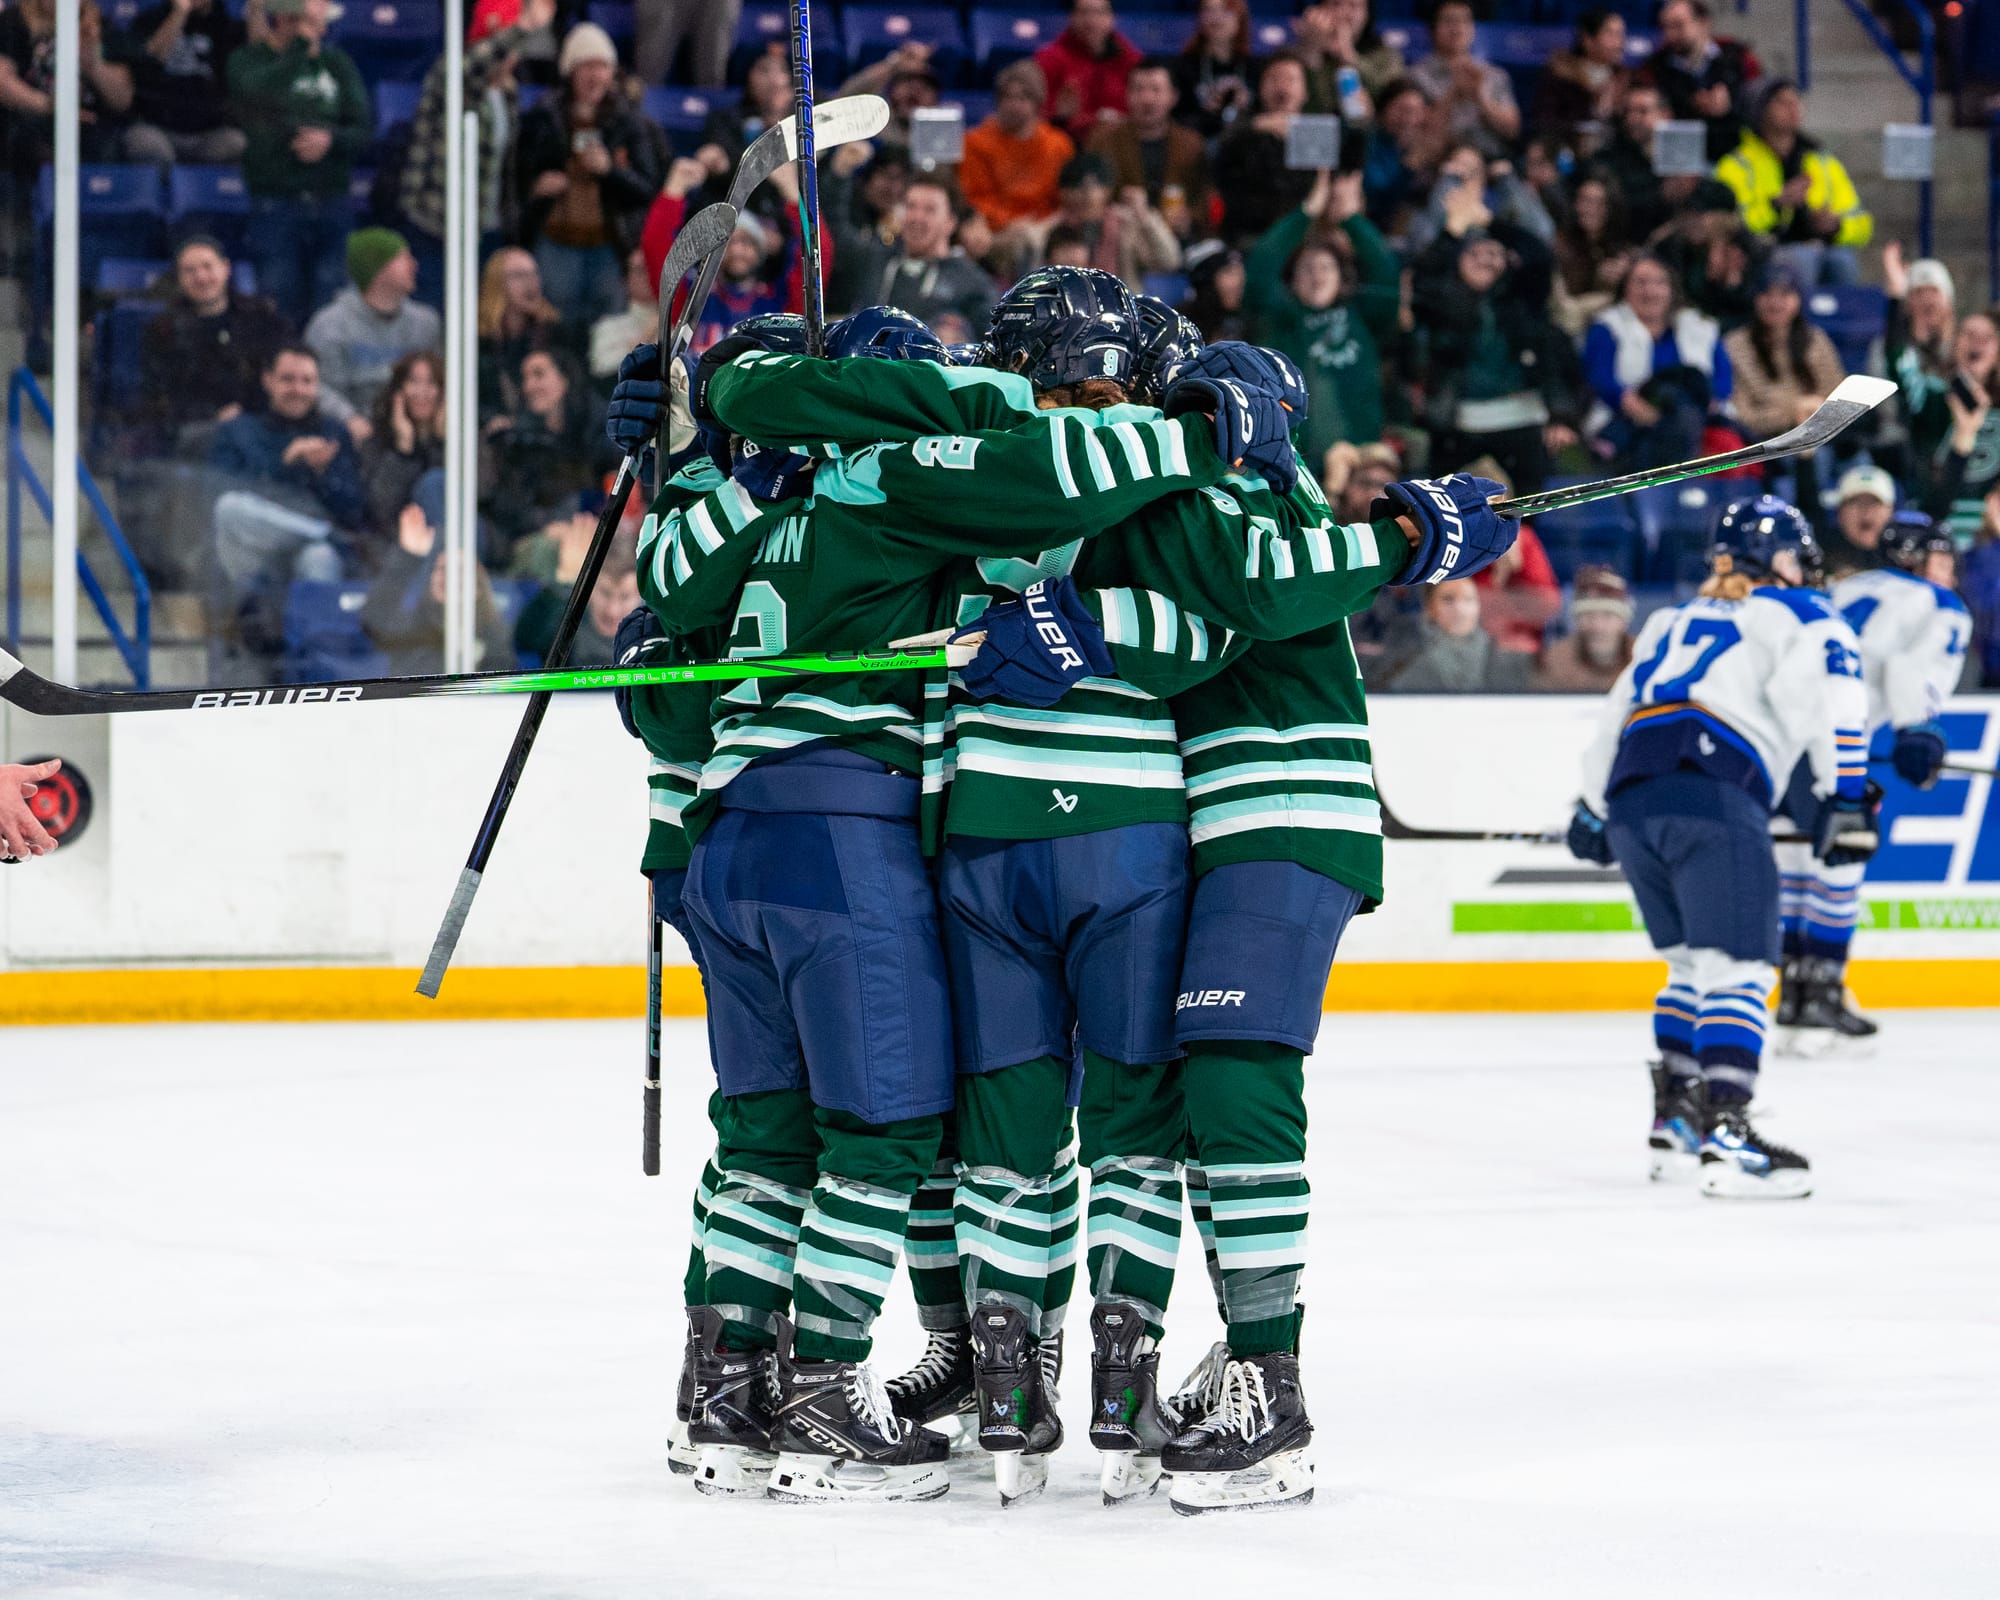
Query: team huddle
[{"x": 1069, "y": 907}]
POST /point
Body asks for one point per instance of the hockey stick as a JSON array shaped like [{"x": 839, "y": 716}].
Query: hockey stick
[
  {"x": 1393, "y": 827},
  {"x": 1949, "y": 766},
  {"x": 649, "y": 1138},
  {"x": 40, "y": 697},
  {"x": 1852, "y": 399},
  {"x": 702, "y": 238},
  {"x": 802, "y": 90}
]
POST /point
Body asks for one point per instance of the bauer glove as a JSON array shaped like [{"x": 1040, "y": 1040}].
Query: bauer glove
[
  {"x": 1034, "y": 649},
  {"x": 1918, "y": 754},
  {"x": 1458, "y": 533},
  {"x": 775, "y": 474},
  {"x": 1587, "y": 838},
  {"x": 638, "y": 401},
  {"x": 628, "y": 648},
  {"x": 1256, "y": 397}
]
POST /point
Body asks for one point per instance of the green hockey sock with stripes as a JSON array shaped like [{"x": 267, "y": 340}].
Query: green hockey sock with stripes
[
  {"x": 1204, "y": 1230},
  {"x": 1065, "y": 1242},
  {"x": 1013, "y": 1134},
  {"x": 1132, "y": 1125},
  {"x": 694, "y": 1284},
  {"x": 931, "y": 1244},
  {"x": 853, "y": 1229},
  {"x": 1246, "y": 1106},
  {"x": 766, "y": 1157}
]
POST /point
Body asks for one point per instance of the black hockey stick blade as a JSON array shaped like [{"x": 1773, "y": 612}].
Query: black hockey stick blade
[
  {"x": 696, "y": 248},
  {"x": 1393, "y": 827},
  {"x": 649, "y": 1129},
  {"x": 1852, "y": 399}
]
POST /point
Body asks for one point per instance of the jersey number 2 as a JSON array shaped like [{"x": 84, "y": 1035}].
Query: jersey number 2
[
  {"x": 1707, "y": 636},
  {"x": 759, "y": 629}
]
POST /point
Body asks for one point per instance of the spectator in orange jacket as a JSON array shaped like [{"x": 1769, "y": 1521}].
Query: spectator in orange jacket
[
  {"x": 1086, "y": 69},
  {"x": 1013, "y": 159}
]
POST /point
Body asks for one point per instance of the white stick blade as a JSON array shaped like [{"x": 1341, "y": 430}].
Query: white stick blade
[
  {"x": 1862, "y": 390},
  {"x": 838, "y": 122}
]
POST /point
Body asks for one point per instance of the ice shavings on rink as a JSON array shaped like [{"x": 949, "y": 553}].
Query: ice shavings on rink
[{"x": 389, "y": 1312}]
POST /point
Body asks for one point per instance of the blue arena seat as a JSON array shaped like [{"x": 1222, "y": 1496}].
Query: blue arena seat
[
  {"x": 1268, "y": 34},
  {"x": 1171, "y": 287},
  {"x": 620, "y": 19},
  {"x": 1604, "y": 533},
  {"x": 1000, "y": 38},
  {"x": 120, "y": 329},
  {"x": 391, "y": 41},
  {"x": 760, "y": 25},
  {"x": 1410, "y": 37},
  {"x": 871, "y": 32},
  {"x": 122, "y": 211},
  {"x": 1853, "y": 320},
  {"x": 1160, "y": 33},
  {"x": 977, "y": 104},
  {"x": 1677, "y": 525},
  {"x": 1520, "y": 50},
  {"x": 119, "y": 15},
  {"x": 324, "y": 639},
  {"x": 127, "y": 275},
  {"x": 396, "y": 103},
  {"x": 209, "y": 200},
  {"x": 682, "y": 114}
]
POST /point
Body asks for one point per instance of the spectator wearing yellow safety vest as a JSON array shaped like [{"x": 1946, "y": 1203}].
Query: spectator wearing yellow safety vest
[{"x": 1793, "y": 193}]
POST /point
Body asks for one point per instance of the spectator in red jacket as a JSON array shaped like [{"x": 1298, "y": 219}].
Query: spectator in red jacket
[
  {"x": 1086, "y": 68},
  {"x": 1520, "y": 593}
]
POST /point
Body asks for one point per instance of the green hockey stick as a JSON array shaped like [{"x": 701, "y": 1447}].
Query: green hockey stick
[{"x": 42, "y": 698}]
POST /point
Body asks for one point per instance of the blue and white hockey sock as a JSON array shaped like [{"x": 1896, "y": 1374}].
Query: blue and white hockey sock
[
  {"x": 1729, "y": 1032},
  {"x": 1831, "y": 911}
]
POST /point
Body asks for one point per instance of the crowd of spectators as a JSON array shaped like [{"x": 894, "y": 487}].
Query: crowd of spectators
[{"x": 1494, "y": 274}]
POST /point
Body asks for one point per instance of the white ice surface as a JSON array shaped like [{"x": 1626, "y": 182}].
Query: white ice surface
[{"x": 389, "y": 1312}]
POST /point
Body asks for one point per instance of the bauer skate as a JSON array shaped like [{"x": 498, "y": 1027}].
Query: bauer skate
[
  {"x": 1018, "y": 1424},
  {"x": 681, "y": 1455},
  {"x": 1738, "y": 1163},
  {"x": 1827, "y": 1023},
  {"x": 1128, "y": 1420},
  {"x": 732, "y": 1396},
  {"x": 1249, "y": 1452},
  {"x": 1674, "y": 1146},
  {"x": 939, "y": 1390},
  {"x": 837, "y": 1436}
]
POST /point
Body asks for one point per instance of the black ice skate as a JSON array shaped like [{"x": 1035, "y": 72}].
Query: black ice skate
[
  {"x": 1738, "y": 1163},
  {"x": 939, "y": 1389},
  {"x": 732, "y": 1394},
  {"x": 1791, "y": 990},
  {"x": 837, "y": 1437},
  {"x": 1249, "y": 1452},
  {"x": 1128, "y": 1420},
  {"x": 681, "y": 1455},
  {"x": 1826, "y": 1022},
  {"x": 1674, "y": 1146},
  {"x": 1017, "y": 1400}
]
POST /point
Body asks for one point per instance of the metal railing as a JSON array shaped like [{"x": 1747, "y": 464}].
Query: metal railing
[
  {"x": 136, "y": 647},
  {"x": 1922, "y": 79}
]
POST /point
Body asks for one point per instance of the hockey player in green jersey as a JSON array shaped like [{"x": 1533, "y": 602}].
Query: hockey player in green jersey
[{"x": 821, "y": 950}]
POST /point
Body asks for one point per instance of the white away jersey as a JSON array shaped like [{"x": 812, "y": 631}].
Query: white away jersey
[
  {"x": 1913, "y": 638},
  {"x": 1740, "y": 689}
]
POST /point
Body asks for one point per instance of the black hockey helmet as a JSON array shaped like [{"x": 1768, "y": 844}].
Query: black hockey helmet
[
  {"x": 886, "y": 334},
  {"x": 1166, "y": 339},
  {"x": 1912, "y": 538},
  {"x": 783, "y": 332},
  {"x": 1065, "y": 325},
  {"x": 1753, "y": 533}
]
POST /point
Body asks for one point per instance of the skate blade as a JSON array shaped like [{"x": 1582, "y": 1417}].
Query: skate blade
[
  {"x": 1673, "y": 1166},
  {"x": 1825, "y": 1044},
  {"x": 961, "y": 1433},
  {"x": 1278, "y": 1483},
  {"x": 802, "y": 1479},
  {"x": 681, "y": 1456},
  {"x": 1128, "y": 1476},
  {"x": 731, "y": 1469},
  {"x": 1724, "y": 1180},
  {"x": 1019, "y": 1476}
]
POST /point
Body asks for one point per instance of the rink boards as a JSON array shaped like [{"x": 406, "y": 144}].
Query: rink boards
[{"x": 292, "y": 863}]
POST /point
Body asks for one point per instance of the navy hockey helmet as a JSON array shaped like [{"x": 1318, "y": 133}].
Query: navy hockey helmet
[
  {"x": 1166, "y": 339},
  {"x": 885, "y": 333},
  {"x": 1065, "y": 325},
  {"x": 973, "y": 353},
  {"x": 1911, "y": 539},
  {"x": 1753, "y": 533},
  {"x": 781, "y": 331}
]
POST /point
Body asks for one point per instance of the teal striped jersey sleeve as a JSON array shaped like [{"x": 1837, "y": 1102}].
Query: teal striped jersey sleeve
[
  {"x": 832, "y": 407},
  {"x": 695, "y": 554},
  {"x": 1159, "y": 645}
]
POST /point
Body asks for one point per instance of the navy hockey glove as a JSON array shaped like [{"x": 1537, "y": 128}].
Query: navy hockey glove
[
  {"x": 638, "y": 402},
  {"x": 1036, "y": 647},
  {"x": 1587, "y": 839},
  {"x": 1256, "y": 405},
  {"x": 1918, "y": 754},
  {"x": 1458, "y": 533},
  {"x": 628, "y": 645},
  {"x": 775, "y": 474},
  {"x": 1849, "y": 830}
]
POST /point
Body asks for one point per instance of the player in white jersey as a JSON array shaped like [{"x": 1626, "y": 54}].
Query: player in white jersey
[
  {"x": 1913, "y": 630},
  {"x": 1723, "y": 692}
]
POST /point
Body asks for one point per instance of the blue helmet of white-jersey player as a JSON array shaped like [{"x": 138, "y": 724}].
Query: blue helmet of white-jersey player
[
  {"x": 886, "y": 334},
  {"x": 1912, "y": 538},
  {"x": 1066, "y": 325},
  {"x": 1753, "y": 534},
  {"x": 783, "y": 332},
  {"x": 1166, "y": 339}
]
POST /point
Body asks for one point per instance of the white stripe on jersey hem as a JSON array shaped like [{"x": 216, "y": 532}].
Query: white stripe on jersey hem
[
  {"x": 1276, "y": 771},
  {"x": 1059, "y": 450},
  {"x": 1053, "y": 769},
  {"x": 1298, "y": 735},
  {"x": 1200, "y": 832},
  {"x": 1028, "y": 718}
]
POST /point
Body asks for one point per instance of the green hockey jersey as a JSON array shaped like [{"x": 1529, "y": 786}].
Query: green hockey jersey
[{"x": 866, "y": 560}]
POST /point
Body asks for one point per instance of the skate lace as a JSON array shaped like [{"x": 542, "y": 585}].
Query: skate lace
[
  {"x": 1756, "y": 1140},
  {"x": 868, "y": 1400},
  {"x": 1244, "y": 1405},
  {"x": 1201, "y": 1391},
  {"x": 934, "y": 1366}
]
